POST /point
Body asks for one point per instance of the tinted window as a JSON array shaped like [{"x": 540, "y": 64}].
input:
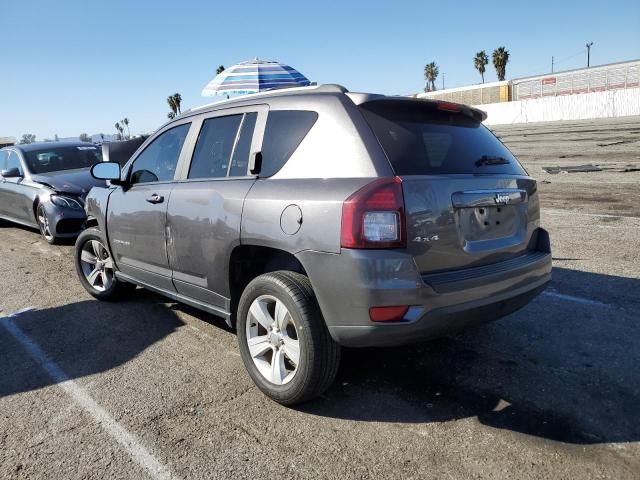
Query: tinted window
[
  {"x": 53, "y": 159},
  {"x": 158, "y": 161},
  {"x": 240, "y": 161},
  {"x": 214, "y": 147},
  {"x": 421, "y": 140},
  {"x": 284, "y": 131}
]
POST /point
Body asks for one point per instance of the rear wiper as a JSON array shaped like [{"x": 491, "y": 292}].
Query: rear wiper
[{"x": 491, "y": 160}]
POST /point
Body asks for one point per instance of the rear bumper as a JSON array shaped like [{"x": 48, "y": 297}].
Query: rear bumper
[{"x": 348, "y": 284}]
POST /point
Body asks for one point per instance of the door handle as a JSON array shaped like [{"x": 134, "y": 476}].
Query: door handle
[{"x": 155, "y": 198}]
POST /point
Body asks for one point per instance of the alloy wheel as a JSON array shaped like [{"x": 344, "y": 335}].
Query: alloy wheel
[
  {"x": 272, "y": 338},
  {"x": 43, "y": 223},
  {"x": 97, "y": 265}
]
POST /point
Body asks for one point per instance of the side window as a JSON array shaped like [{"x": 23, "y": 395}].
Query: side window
[
  {"x": 13, "y": 161},
  {"x": 240, "y": 161},
  {"x": 212, "y": 155},
  {"x": 283, "y": 133},
  {"x": 4, "y": 155},
  {"x": 157, "y": 163}
]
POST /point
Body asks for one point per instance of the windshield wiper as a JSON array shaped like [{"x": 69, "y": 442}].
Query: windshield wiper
[{"x": 491, "y": 160}]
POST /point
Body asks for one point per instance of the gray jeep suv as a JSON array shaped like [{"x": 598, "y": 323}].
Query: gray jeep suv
[{"x": 314, "y": 218}]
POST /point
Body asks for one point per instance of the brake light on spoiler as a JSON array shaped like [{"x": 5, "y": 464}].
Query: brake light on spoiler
[
  {"x": 471, "y": 112},
  {"x": 448, "y": 106}
]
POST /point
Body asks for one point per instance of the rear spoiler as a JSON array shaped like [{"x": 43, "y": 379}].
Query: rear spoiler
[
  {"x": 121, "y": 152},
  {"x": 466, "y": 110}
]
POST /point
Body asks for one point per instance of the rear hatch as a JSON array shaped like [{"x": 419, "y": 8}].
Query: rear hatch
[{"x": 468, "y": 202}]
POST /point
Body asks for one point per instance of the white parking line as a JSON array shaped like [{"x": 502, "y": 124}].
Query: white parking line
[
  {"x": 571, "y": 298},
  {"x": 127, "y": 440}
]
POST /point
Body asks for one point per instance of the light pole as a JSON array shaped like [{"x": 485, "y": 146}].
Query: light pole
[{"x": 589, "y": 53}]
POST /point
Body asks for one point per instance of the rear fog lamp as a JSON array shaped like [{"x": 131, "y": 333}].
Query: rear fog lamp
[{"x": 388, "y": 314}]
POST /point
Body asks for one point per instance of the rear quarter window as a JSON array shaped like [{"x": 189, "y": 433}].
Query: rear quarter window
[
  {"x": 421, "y": 140},
  {"x": 283, "y": 133}
]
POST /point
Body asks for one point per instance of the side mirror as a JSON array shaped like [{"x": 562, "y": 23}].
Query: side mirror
[
  {"x": 106, "y": 171},
  {"x": 11, "y": 173}
]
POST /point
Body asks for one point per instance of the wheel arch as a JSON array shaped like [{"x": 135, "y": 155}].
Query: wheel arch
[
  {"x": 36, "y": 203},
  {"x": 91, "y": 222},
  {"x": 248, "y": 261}
]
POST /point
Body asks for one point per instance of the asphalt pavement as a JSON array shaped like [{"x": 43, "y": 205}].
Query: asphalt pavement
[{"x": 148, "y": 388}]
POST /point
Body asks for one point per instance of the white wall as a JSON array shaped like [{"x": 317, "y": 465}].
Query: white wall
[{"x": 611, "y": 103}]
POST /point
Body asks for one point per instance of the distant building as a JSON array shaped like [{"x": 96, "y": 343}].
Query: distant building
[
  {"x": 494, "y": 92},
  {"x": 6, "y": 141},
  {"x": 612, "y": 76}
]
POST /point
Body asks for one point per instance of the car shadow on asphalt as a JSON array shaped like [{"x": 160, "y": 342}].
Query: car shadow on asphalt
[
  {"x": 83, "y": 338},
  {"x": 558, "y": 369}
]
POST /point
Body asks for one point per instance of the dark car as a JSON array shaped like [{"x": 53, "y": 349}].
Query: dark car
[
  {"x": 314, "y": 218},
  {"x": 44, "y": 185}
]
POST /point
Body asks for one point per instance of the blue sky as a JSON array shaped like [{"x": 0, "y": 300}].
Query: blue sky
[{"x": 69, "y": 67}]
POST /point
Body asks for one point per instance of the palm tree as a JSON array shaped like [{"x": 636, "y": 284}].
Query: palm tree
[
  {"x": 178, "y": 99},
  {"x": 126, "y": 122},
  {"x": 500, "y": 58},
  {"x": 431, "y": 72},
  {"x": 171, "y": 115},
  {"x": 220, "y": 69},
  {"x": 174, "y": 102},
  {"x": 172, "y": 105},
  {"x": 480, "y": 61},
  {"x": 118, "y": 128}
]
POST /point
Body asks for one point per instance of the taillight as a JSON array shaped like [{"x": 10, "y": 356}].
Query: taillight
[{"x": 373, "y": 217}]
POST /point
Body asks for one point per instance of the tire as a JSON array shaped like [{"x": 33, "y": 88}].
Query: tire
[
  {"x": 318, "y": 355},
  {"x": 43, "y": 225},
  {"x": 97, "y": 274}
]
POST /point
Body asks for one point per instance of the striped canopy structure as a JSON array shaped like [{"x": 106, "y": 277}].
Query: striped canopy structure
[{"x": 254, "y": 76}]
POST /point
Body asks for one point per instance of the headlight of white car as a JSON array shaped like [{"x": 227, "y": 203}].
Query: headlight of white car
[{"x": 66, "y": 202}]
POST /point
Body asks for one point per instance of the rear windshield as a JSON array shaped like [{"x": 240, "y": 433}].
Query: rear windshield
[
  {"x": 54, "y": 159},
  {"x": 421, "y": 140}
]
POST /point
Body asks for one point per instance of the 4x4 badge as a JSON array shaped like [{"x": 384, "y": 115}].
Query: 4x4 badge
[
  {"x": 501, "y": 199},
  {"x": 431, "y": 238}
]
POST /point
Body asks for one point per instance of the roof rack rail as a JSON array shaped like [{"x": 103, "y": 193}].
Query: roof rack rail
[
  {"x": 325, "y": 88},
  {"x": 331, "y": 87}
]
